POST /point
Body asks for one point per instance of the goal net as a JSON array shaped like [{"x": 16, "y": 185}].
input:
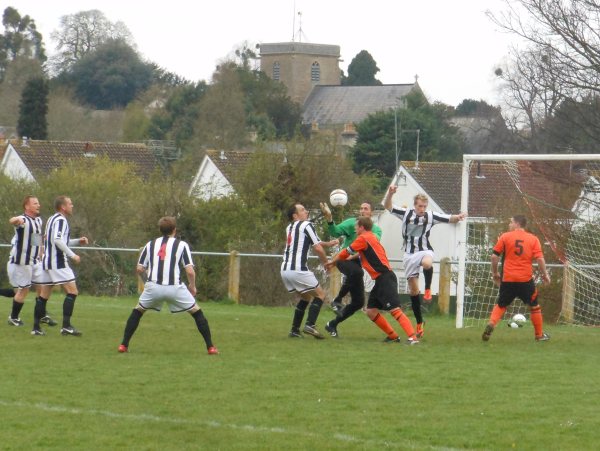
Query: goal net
[{"x": 560, "y": 197}]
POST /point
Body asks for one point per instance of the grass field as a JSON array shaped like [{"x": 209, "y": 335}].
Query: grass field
[{"x": 266, "y": 391}]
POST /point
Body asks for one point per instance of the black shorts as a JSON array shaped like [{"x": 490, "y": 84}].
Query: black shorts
[
  {"x": 526, "y": 291},
  {"x": 385, "y": 292}
]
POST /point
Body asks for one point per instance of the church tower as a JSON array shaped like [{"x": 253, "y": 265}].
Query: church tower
[{"x": 300, "y": 66}]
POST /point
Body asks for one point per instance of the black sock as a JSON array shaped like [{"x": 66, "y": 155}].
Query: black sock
[
  {"x": 416, "y": 308},
  {"x": 313, "y": 311},
  {"x": 7, "y": 292},
  {"x": 16, "y": 309},
  {"x": 202, "y": 324},
  {"x": 39, "y": 311},
  {"x": 68, "y": 306},
  {"x": 132, "y": 323},
  {"x": 428, "y": 273},
  {"x": 299, "y": 314}
]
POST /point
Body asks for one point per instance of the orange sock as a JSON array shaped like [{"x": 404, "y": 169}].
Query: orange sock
[
  {"x": 537, "y": 320},
  {"x": 497, "y": 314},
  {"x": 383, "y": 324},
  {"x": 404, "y": 322}
]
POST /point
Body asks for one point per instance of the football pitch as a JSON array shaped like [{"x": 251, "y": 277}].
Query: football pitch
[{"x": 266, "y": 391}]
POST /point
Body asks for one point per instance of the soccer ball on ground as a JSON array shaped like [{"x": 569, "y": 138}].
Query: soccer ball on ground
[
  {"x": 338, "y": 198},
  {"x": 518, "y": 320}
]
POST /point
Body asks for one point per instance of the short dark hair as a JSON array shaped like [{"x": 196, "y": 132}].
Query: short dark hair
[
  {"x": 60, "y": 201},
  {"x": 521, "y": 220},
  {"x": 167, "y": 224},
  {"x": 292, "y": 210},
  {"x": 365, "y": 222},
  {"x": 26, "y": 200}
]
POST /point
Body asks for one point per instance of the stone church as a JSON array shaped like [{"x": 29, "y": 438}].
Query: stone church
[{"x": 312, "y": 75}]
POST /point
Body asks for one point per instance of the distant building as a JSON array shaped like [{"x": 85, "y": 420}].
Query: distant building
[
  {"x": 336, "y": 109},
  {"x": 312, "y": 75},
  {"x": 300, "y": 66},
  {"x": 30, "y": 159}
]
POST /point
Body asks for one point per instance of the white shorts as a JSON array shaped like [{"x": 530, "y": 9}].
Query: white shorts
[
  {"x": 300, "y": 281},
  {"x": 178, "y": 297},
  {"x": 55, "y": 276},
  {"x": 412, "y": 263},
  {"x": 23, "y": 276}
]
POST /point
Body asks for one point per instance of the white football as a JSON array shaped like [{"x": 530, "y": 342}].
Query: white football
[
  {"x": 338, "y": 198},
  {"x": 519, "y": 319}
]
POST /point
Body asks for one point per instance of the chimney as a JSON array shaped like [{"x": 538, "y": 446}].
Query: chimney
[{"x": 24, "y": 142}]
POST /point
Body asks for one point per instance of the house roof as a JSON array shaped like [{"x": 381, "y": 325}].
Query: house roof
[
  {"x": 442, "y": 181},
  {"x": 231, "y": 163},
  {"x": 338, "y": 105},
  {"x": 490, "y": 185},
  {"x": 41, "y": 157}
]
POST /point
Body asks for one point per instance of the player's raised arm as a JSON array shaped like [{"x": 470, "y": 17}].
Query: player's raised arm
[
  {"x": 387, "y": 200},
  {"x": 458, "y": 217}
]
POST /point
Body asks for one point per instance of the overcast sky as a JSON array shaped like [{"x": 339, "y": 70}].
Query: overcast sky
[{"x": 452, "y": 46}]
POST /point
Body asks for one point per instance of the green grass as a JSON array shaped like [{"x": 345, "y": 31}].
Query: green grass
[{"x": 266, "y": 391}]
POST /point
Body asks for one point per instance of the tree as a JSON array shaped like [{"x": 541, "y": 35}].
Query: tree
[
  {"x": 33, "y": 109},
  {"x": 82, "y": 33},
  {"x": 222, "y": 119},
  {"x": 17, "y": 73},
  {"x": 470, "y": 107},
  {"x": 362, "y": 71},
  {"x": 561, "y": 63},
  {"x": 375, "y": 147},
  {"x": 177, "y": 119},
  {"x": 111, "y": 76},
  {"x": 20, "y": 39}
]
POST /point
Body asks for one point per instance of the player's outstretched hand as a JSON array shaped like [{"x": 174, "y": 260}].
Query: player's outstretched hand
[
  {"x": 326, "y": 211},
  {"x": 83, "y": 240},
  {"x": 76, "y": 258}
]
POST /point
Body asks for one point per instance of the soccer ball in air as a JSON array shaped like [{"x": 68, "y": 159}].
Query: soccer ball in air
[
  {"x": 338, "y": 198},
  {"x": 518, "y": 320}
]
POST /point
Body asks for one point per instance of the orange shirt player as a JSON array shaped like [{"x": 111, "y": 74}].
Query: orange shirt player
[{"x": 518, "y": 249}]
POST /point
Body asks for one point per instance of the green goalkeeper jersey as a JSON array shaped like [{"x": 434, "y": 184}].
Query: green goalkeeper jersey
[{"x": 346, "y": 229}]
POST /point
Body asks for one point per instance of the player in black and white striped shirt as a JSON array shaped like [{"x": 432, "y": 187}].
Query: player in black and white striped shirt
[
  {"x": 160, "y": 263},
  {"x": 55, "y": 264},
  {"x": 24, "y": 266},
  {"x": 416, "y": 228},
  {"x": 296, "y": 276}
]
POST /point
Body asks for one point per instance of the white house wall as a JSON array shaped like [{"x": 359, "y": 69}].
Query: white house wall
[
  {"x": 210, "y": 182},
  {"x": 13, "y": 167}
]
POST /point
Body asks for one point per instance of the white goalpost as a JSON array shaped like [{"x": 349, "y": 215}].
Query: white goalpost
[{"x": 560, "y": 196}]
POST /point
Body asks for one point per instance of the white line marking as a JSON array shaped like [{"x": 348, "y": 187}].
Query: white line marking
[{"x": 214, "y": 424}]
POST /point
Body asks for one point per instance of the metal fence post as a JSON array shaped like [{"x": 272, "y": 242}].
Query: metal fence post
[{"x": 233, "y": 291}]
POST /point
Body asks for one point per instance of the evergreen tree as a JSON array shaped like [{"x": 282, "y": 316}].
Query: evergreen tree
[
  {"x": 33, "y": 109},
  {"x": 362, "y": 71}
]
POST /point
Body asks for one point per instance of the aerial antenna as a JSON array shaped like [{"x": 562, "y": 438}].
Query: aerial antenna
[
  {"x": 294, "y": 23},
  {"x": 298, "y": 33}
]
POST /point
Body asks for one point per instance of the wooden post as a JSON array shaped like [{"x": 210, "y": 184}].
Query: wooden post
[
  {"x": 444, "y": 293},
  {"x": 234, "y": 277},
  {"x": 568, "y": 294}
]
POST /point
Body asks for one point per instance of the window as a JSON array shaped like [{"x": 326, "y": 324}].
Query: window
[
  {"x": 276, "y": 70},
  {"x": 315, "y": 72}
]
